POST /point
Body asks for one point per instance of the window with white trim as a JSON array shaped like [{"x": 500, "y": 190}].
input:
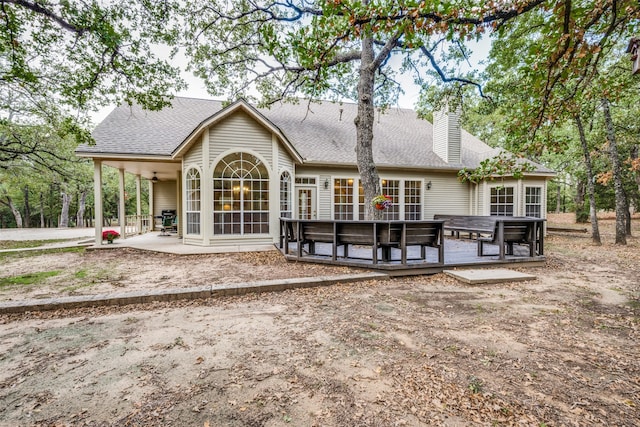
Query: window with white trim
[
  {"x": 240, "y": 195},
  {"x": 305, "y": 180},
  {"x": 391, "y": 188},
  {"x": 192, "y": 197},
  {"x": 501, "y": 203},
  {"x": 533, "y": 201},
  {"x": 412, "y": 200},
  {"x": 285, "y": 195},
  {"x": 343, "y": 198}
]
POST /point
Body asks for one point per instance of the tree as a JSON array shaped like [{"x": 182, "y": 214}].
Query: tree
[
  {"x": 59, "y": 60},
  {"x": 549, "y": 64},
  {"x": 87, "y": 53},
  {"x": 595, "y": 230},
  {"x": 314, "y": 49}
]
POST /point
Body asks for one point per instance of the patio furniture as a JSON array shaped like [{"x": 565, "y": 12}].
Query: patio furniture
[{"x": 169, "y": 222}]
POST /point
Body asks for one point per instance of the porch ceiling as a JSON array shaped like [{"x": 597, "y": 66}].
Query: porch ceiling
[{"x": 164, "y": 170}]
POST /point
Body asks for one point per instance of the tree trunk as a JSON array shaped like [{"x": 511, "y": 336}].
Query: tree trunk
[
  {"x": 558, "y": 198},
  {"x": 364, "y": 130},
  {"x": 579, "y": 200},
  {"x": 15, "y": 211},
  {"x": 64, "y": 214},
  {"x": 617, "y": 175},
  {"x": 27, "y": 208},
  {"x": 627, "y": 217},
  {"x": 42, "y": 223},
  {"x": 595, "y": 229},
  {"x": 82, "y": 197}
]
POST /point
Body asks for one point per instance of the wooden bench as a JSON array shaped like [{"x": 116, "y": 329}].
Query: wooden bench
[
  {"x": 504, "y": 231},
  {"x": 422, "y": 234},
  {"x": 474, "y": 226},
  {"x": 510, "y": 231},
  {"x": 377, "y": 234}
]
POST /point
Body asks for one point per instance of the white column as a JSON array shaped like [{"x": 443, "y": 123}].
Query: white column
[
  {"x": 138, "y": 204},
  {"x": 206, "y": 192},
  {"x": 151, "y": 207},
  {"x": 97, "y": 199},
  {"x": 274, "y": 192},
  {"x": 121, "y": 207},
  {"x": 179, "y": 207}
]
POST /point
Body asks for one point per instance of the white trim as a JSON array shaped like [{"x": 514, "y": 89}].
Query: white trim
[
  {"x": 186, "y": 169},
  {"x": 225, "y": 153}
]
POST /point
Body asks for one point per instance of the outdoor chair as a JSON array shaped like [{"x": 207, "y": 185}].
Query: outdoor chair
[{"x": 169, "y": 222}]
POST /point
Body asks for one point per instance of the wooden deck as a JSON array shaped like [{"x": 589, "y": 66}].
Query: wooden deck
[{"x": 453, "y": 253}]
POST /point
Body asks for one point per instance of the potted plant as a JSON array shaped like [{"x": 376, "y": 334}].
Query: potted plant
[
  {"x": 110, "y": 235},
  {"x": 381, "y": 202}
]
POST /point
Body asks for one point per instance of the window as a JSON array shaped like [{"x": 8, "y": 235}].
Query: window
[
  {"x": 391, "y": 188},
  {"x": 240, "y": 195},
  {"x": 405, "y": 195},
  {"x": 533, "y": 202},
  {"x": 193, "y": 201},
  {"x": 501, "y": 201},
  {"x": 306, "y": 181},
  {"x": 343, "y": 198},
  {"x": 285, "y": 195},
  {"x": 412, "y": 200}
]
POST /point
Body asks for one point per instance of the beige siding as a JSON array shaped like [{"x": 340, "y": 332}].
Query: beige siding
[
  {"x": 324, "y": 198},
  {"x": 284, "y": 161},
  {"x": 164, "y": 196},
  {"x": 481, "y": 208},
  {"x": 240, "y": 132},
  {"x": 447, "y": 196},
  {"x": 446, "y": 136},
  {"x": 194, "y": 155}
]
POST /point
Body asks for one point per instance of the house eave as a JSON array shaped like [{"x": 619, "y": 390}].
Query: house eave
[
  {"x": 240, "y": 105},
  {"x": 125, "y": 156},
  {"x": 385, "y": 166}
]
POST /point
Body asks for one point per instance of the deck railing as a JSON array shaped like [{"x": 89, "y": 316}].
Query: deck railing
[
  {"x": 138, "y": 224},
  {"x": 346, "y": 242},
  {"x": 383, "y": 235}
]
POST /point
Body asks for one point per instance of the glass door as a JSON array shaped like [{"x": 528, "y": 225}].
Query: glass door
[{"x": 307, "y": 203}]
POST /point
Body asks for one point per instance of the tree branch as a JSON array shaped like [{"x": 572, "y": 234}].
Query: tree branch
[
  {"x": 446, "y": 79},
  {"x": 41, "y": 10}
]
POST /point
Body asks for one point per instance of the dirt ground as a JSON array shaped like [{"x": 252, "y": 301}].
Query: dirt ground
[{"x": 561, "y": 350}]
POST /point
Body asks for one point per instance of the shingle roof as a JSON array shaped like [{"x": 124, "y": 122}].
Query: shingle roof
[{"x": 320, "y": 132}]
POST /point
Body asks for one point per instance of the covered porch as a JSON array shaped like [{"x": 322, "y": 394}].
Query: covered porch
[{"x": 163, "y": 176}]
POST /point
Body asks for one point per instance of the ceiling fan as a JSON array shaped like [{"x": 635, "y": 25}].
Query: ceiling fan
[{"x": 155, "y": 178}]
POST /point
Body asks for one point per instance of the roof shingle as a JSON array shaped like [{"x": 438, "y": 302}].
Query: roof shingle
[{"x": 321, "y": 132}]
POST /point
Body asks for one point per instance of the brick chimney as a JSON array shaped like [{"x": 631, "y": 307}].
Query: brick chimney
[{"x": 446, "y": 134}]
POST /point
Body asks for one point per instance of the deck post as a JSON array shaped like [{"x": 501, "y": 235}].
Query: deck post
[
  {"x": 501, "y": 238},
  {"x": 375, "y": 243},
  {"x": 334, "y": 250},
  {"x": 299, "y": 239},
  {"x": 403, "y": 243}
]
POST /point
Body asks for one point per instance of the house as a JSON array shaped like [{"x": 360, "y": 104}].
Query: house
[{"x": 231, "y": 171}]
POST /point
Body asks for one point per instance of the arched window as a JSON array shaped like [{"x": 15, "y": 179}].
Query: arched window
[
  {"x": 193, "y": 201},
  {"x": 240, "y": 195},
  {"x": 285, "y": 195}
]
